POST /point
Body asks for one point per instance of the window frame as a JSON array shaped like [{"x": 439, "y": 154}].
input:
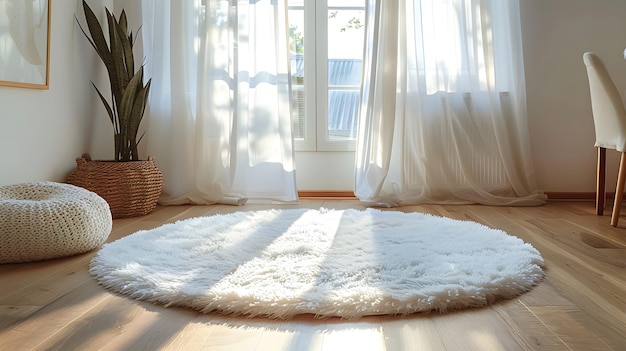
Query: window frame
[{"x": 316, "y": 96}]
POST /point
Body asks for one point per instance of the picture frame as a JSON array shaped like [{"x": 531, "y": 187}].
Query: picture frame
[{"x": 25, "y": 43}]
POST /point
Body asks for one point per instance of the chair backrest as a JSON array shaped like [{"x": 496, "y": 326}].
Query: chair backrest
[{"x": 609, "y": 115}]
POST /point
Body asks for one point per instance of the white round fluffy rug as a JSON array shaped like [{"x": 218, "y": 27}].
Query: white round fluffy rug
[{"x": 346, "y": 263}]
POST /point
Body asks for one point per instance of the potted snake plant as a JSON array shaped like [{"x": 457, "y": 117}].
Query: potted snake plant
[{"x": 130, "y": 186}]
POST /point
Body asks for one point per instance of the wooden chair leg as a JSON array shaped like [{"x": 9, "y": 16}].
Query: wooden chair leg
[
  {"x": 600, "y": 184},
  {"x": 619, "y": 192}
]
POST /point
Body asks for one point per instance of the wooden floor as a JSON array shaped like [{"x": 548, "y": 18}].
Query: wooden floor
[{"x": 581, "y": 304}]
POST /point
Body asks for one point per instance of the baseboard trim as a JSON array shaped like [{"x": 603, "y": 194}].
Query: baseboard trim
[
  {"x": 326, "y": 194},
  {"x": 552, "y": 196},
  {"x": 571, "y": 196}
]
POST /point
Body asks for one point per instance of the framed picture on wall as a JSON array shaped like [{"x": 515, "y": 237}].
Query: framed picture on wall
[{"x": 25, "y": 43}]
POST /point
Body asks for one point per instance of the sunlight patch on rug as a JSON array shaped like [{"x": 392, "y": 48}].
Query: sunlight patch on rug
[{"x": 345, "y": 263}]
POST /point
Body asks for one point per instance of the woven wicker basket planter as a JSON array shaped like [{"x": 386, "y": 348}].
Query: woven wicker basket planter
[{"x": 130, "y": 188}]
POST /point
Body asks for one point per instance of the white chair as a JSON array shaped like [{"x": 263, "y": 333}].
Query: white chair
[{"x": 609, "y": 118}]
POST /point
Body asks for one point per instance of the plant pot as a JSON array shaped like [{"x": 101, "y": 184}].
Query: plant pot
[{"x": 130, "y": 188}]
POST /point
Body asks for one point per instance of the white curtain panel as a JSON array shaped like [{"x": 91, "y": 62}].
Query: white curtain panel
[
  {"x": 442, "y": 116},
  {"x": 219, "y": 111}
]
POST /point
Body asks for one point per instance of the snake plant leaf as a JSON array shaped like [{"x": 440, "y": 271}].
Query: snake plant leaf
[
  {"x": 130, "y": 93},
  {"x": 141, "y": 137},
  {"x": 138, "y": 111},
  {"x": 100, "y": 45},
  {"x": 123, "y": 22},
  {"x": 97, "y": 39},
  {"x": 119, "y": 147},
  {"x": 126, "y": 48},
  {"x": 88, "y": 38},
  {"x": 138, "y": 108},
  {"x": 132, "y": 96},
  {"x": 117, "y": 56},
  {"x": 106, "y": 105}
]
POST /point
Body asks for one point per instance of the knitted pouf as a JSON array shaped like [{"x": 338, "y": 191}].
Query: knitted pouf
[{"x": 45, "y": 220}]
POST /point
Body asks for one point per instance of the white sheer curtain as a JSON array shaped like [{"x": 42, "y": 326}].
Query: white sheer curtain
[
  {"x": 219, "y": 111},
  {"x": 443, "y": 116}
]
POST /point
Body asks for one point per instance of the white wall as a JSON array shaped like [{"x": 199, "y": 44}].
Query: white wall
[
  {"x": 332, "y": 171},
  {"x": 556, "y": 34},
  {"x": 41, "y": 132}
]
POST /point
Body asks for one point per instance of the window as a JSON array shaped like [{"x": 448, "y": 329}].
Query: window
[{"x": 326, "y": 44}]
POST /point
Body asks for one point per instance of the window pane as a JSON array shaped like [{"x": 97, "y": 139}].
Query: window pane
[
  {"x": 346, "y": 19},
  {"x": 330, "y": 83},
  {"x": 296, "y": 48}
]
